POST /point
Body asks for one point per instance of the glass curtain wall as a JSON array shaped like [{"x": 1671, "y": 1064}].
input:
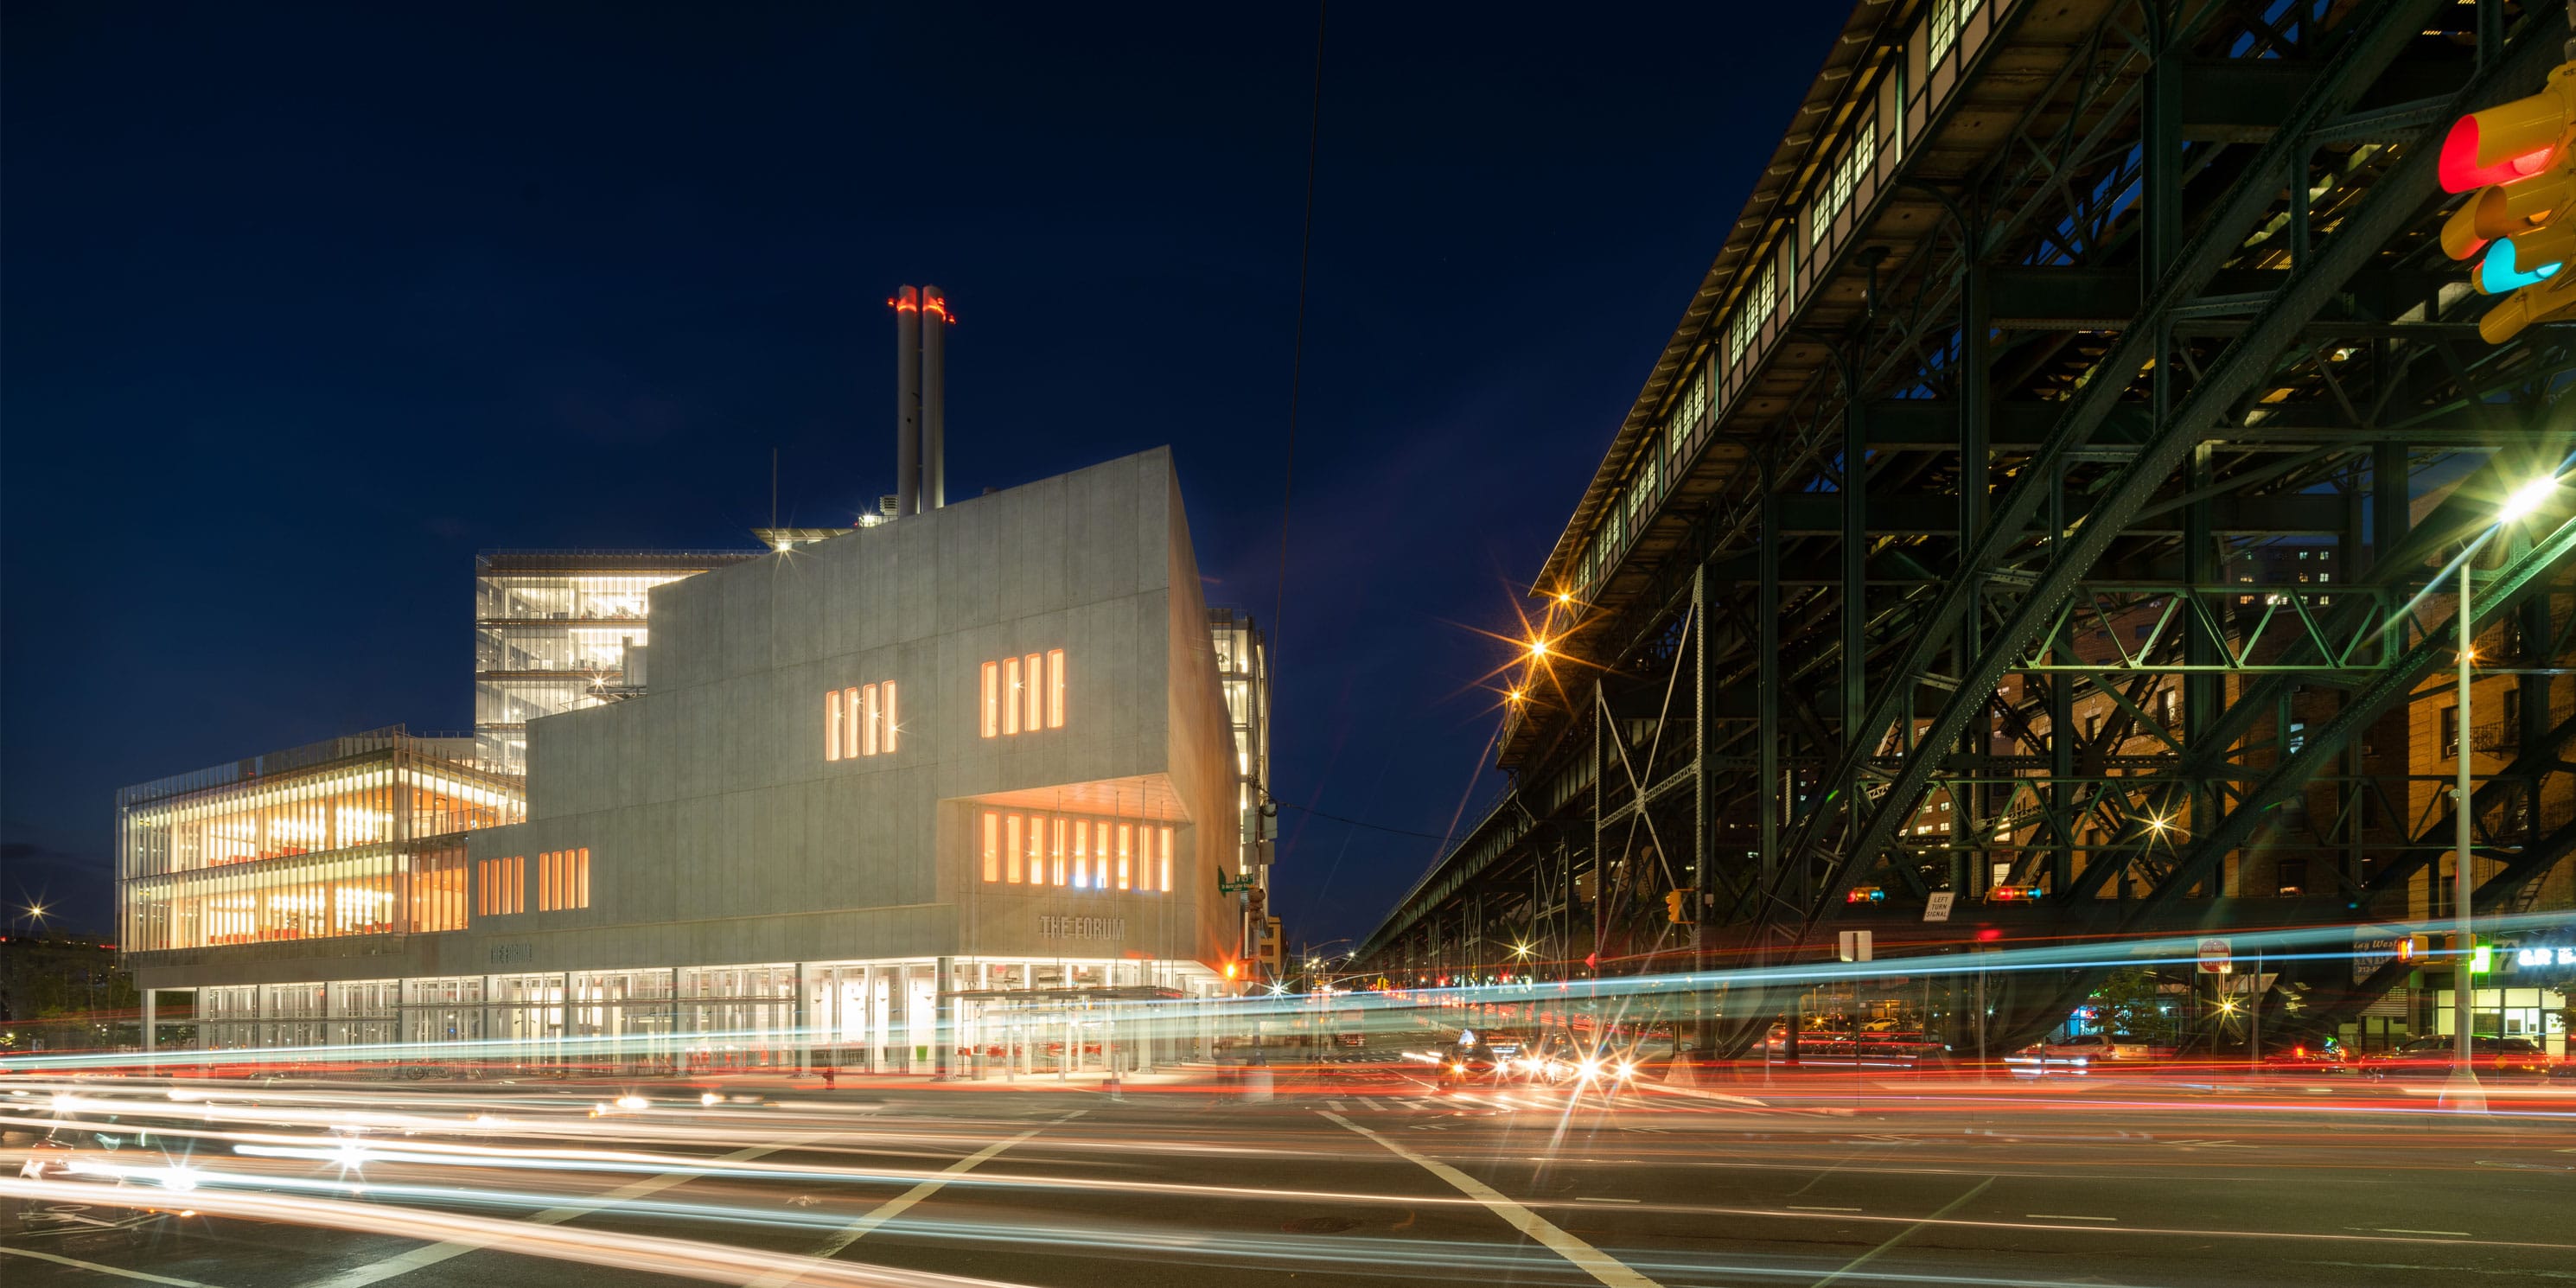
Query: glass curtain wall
[
  {"x": 352, "y": 836},
  {"x": 552, "y": 630}
]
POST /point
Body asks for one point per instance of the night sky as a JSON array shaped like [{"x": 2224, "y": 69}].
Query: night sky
[{"x": 302, "y": 306}]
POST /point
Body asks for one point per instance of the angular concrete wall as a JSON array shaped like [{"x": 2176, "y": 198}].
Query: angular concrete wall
[{"x": 718, "y": 831}]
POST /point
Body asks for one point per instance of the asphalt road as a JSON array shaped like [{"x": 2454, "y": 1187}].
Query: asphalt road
[{"x": 1360, "y": 1175}]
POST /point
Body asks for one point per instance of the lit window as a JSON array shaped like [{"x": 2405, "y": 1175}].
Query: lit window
[
  {"x": 868, "y": 720},
  {"x": 992, "y": 847},
  {"x": 1024, "y": 694},
  {"x": 1055, "y": 852},
  {"x": 581, "y": 878},
  {"x": 890, "y": 726},
  {"x": 1100, "y": 856},
  {"x": 832, "y": 725},
  {"x": 1037, "y": 849},
  {"x": 1165, "y": 881},
  {"x": 860, "y": 721},
  {"x": 992, "y": 705},
  {"x": 1010, "y": 695},
  {"x": 1081, "y": 856},
  {"x": 1011, "y": 839},
  {"x": 1123, "y": 830},
  {"x": 1036, "y": 694},
  {"x": 501, "y": 886}
]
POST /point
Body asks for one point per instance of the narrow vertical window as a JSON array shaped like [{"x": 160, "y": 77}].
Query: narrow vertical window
[
  {"x": 849, "y": 723},
  {"x": 581, "y": 873},
  {"x": 992, "y": 707},
  {"x": 1036, "y": 694},
  {"x": 868, "y": 720},
  {"x": 1011, "y": 839},
  {"x": 1037, "y": 849},
  {"x": 1055, "y": 688},
  {"x": 890, "y": 726},
  {"x": 832, "y": 725},
  {"x": 1123, "y": 832},
  {"x": 1055, "y": 852},
  {"x": 545, "y": 873},
  {"x": 1010, "y": 695},
  {"x": 1081, "y": 855},
  {"x": 1100, "y": 856},
  {"x": 1164, "y": 861},
  {"x": 992, "y": 847}
]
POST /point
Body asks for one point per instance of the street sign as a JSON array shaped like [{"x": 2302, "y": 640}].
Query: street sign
[
  {"x": 1938, "y": 907},
  {"x": 1854, "y": 945},
  {"x": 2214, "y": 955}
]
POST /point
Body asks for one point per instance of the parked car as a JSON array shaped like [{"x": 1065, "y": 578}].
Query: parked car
[{"x": 2490, "y": 1057}]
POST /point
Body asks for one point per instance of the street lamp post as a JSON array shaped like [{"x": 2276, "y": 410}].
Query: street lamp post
[{"x": 2462, "y": 1091}]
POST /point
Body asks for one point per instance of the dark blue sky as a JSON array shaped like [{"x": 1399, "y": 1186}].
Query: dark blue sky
[{"x": 305, "y": 305}]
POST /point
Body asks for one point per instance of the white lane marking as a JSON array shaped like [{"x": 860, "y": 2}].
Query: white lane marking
[
  {"x": 896, "y": 1206},
  {"x": 1592, "y": 1261},
  {"x": 1338, "y": 1106},
  {"x": 1588, "y": 1199},
  {"x": 2060, "y": 1216},
  {"x": 1904, "y": 1234},
  {"x": 104, "y": 1270},
  {"x": 2391, "y": 1229},
  {"x": 404, "y": 1263},
  {"x": 1805, "y": 1207}
]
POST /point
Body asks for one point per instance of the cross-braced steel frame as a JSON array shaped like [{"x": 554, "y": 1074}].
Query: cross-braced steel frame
[{"x": 2080, "y": 544}]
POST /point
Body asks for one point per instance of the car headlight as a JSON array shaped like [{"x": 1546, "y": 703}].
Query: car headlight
[
  {"x": 1589, "y": 1068},
  {"x": 1627, "y": 1070}
]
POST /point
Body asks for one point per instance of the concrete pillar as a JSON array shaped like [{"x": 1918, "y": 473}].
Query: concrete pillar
[
  {"x": 804, "y": 1017},
  {"x": 943, "y": 1035},
  {"x": 150, "y": 995}
]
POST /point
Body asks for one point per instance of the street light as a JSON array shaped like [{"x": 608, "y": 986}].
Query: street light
[{"x": 2462, "y": 1090}]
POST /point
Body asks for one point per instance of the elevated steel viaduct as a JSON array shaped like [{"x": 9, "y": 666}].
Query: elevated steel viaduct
[{"x": 2045, "y": 499}]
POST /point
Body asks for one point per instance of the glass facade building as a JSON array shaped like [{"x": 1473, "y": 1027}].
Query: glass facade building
[
  {"x": 1243, "y": 671},
  {"x": 559, "y": 630},
  {"x": 355, "y": 836}
]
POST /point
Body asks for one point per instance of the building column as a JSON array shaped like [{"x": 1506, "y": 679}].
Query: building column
[
  {"x": 943, "y": 1029},
  {"x": 804, "y": 1017},
  {"x": 150, "y": 995}
]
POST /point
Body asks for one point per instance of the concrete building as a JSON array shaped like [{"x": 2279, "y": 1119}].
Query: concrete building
[{"x": 923, "y": 795}]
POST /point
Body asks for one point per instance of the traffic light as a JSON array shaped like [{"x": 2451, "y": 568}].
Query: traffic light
[
  {"x": 1677, "y": 905},
  {"x": 2518, "y": 160}
]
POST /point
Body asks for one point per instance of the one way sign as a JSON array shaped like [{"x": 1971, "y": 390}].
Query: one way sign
[{"x": 1854, "y": 946}]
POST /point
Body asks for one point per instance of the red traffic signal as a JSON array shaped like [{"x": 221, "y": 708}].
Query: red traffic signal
[{"x": 2510, "y": 141}]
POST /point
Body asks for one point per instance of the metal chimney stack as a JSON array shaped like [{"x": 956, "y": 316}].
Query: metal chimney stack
[
  {"x": 907, "y": 402},
  {"x": 934, "y": 398},
  {"x": 921, "y": 325}
]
